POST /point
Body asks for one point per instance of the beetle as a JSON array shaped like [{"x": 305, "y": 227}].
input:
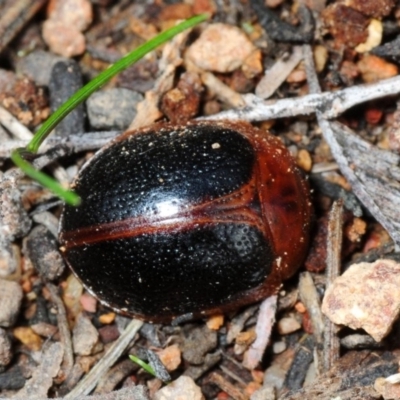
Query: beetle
[{"x": 191, "y": 219}]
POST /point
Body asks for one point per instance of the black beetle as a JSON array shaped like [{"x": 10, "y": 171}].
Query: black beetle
[{"x": 198, "y": 218}]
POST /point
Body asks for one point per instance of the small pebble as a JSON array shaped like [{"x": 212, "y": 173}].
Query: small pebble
[
  {"x": 320, "y": 57},
  {"x": 108, "y": 318},
  {"x": 7, "y": 80},
  {"x": 153, "y": 385},
  {"x": 14, "y": 220},
  {"x": 42, "y": 249},
  {"x": 373, "y": 115},
  {"x": 28, "y": 337},
  {"x": 375, "y": 32},
  {"x": 64, "y": 40},
  {"x": 275, "y": 375},
  {"x": 349, "y": 71},
  {"x": 73, "y": 290},
  {"x": 311, "y": 375},
  {"x": 38, "y": 66},
  {"x": 366, "y": 296},
  {"x": 5, "y": 348},
  {"x": 170, "y": 357},
  {"x": 347, "y": 25},
  {"x": 176, "y": 11},
  {"x": 12, "y": 379},
  {"x": 84, "y": 336},
  {"x": 65, "y": 80},
  {"x": 298, "y": 75},
  {"x": 257, "y": 375},
  {"x": 288, "y": 325},
  {"x": 265, "y": 393},
  {"x": 10, "y": 258},
  {"x": 181, "y": 103},
  {"x": 198, "y": 342},
  {"x": 239, "y": 349},
  {"x": 279, "y": 347},
  {"x": 252, "y": 65},
  {"x": 112, "y": 108},
  {"x": 251, "y": 388},
  {"x": 76, "y": 13},
  {"x": 372, "y": 8},
  {"x": 387, "y": 390},
  {"x": 356, "y": 230},
  {"x": 243, "y": 341},
  {"x": 10, "y": 299},
  {"x": 215, "y": 322},
  {"x": 204, "y": 6},
  {"x": 246, "y": 338},
  {"x": 273, "y": 3},
  {"x": 184, "y": 388},
  {"x": 358, "y": 341},
  {"x": 220, "y": 48},
  {"x": 304, "y": 160},
  {"x": 300, "y": 307},
  {"x": 374, "y": 68},
  {"x": 109, "y": 333},
  {"x": 88, "y": 302},
  {"x": 45, "y": 330}
]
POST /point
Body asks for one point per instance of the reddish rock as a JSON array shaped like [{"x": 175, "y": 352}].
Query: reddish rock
[
  {"x": 366, "y": 296},
  {"x": 374, "y": 68},
  {"x": 64, "y": 40},
  {"x": 74, "y": 13},
  {"x": 184, "y": 388},
  {"x": 372, "y": 8},
  {"x": 220, "y": 48},
  {"x": 346, "y": 25}
]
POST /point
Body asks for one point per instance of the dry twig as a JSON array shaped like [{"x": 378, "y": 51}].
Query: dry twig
[
  {"x": 334, "y": 251},
  {"x": 328, "y": 104},
  {"x": 14, "y": 15},
  {"x": 227, "y": 387},
  {"x": 265, "y": 322},
  {"x": 374, "y": 182},
  {"x": 14, "y": 126},
  {"x": 78, "y": 142},
  {"x": 309, "y": 297},
  {"x": 277, "y": 74},
  {"x": 63, "y": 327},
  {"x": 89, "y": 382}
]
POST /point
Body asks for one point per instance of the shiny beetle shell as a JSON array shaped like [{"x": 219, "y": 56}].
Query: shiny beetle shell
[{"x": 194, "y": 219}]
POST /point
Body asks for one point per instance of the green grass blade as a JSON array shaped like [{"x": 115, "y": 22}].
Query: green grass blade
[
  {"x": 142, "y": 364},
  {"x": 82, "y": 94},
  {"x": 68, "y": 196}
]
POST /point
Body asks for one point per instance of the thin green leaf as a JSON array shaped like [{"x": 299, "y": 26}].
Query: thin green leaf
[
  {"x": 142, "y": 364},
  {"x": 68, "y": 196},
  {"x": 82, "y": 94}
]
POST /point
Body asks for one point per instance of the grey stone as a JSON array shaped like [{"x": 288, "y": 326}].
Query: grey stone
[
  {"x": 10, "y": 300},
  {"x": 5, "y": 348},
  {"x": 84, "y": 337},
  {"x": 38, "y": 66},
  {"x": 112, "y": 108}
]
